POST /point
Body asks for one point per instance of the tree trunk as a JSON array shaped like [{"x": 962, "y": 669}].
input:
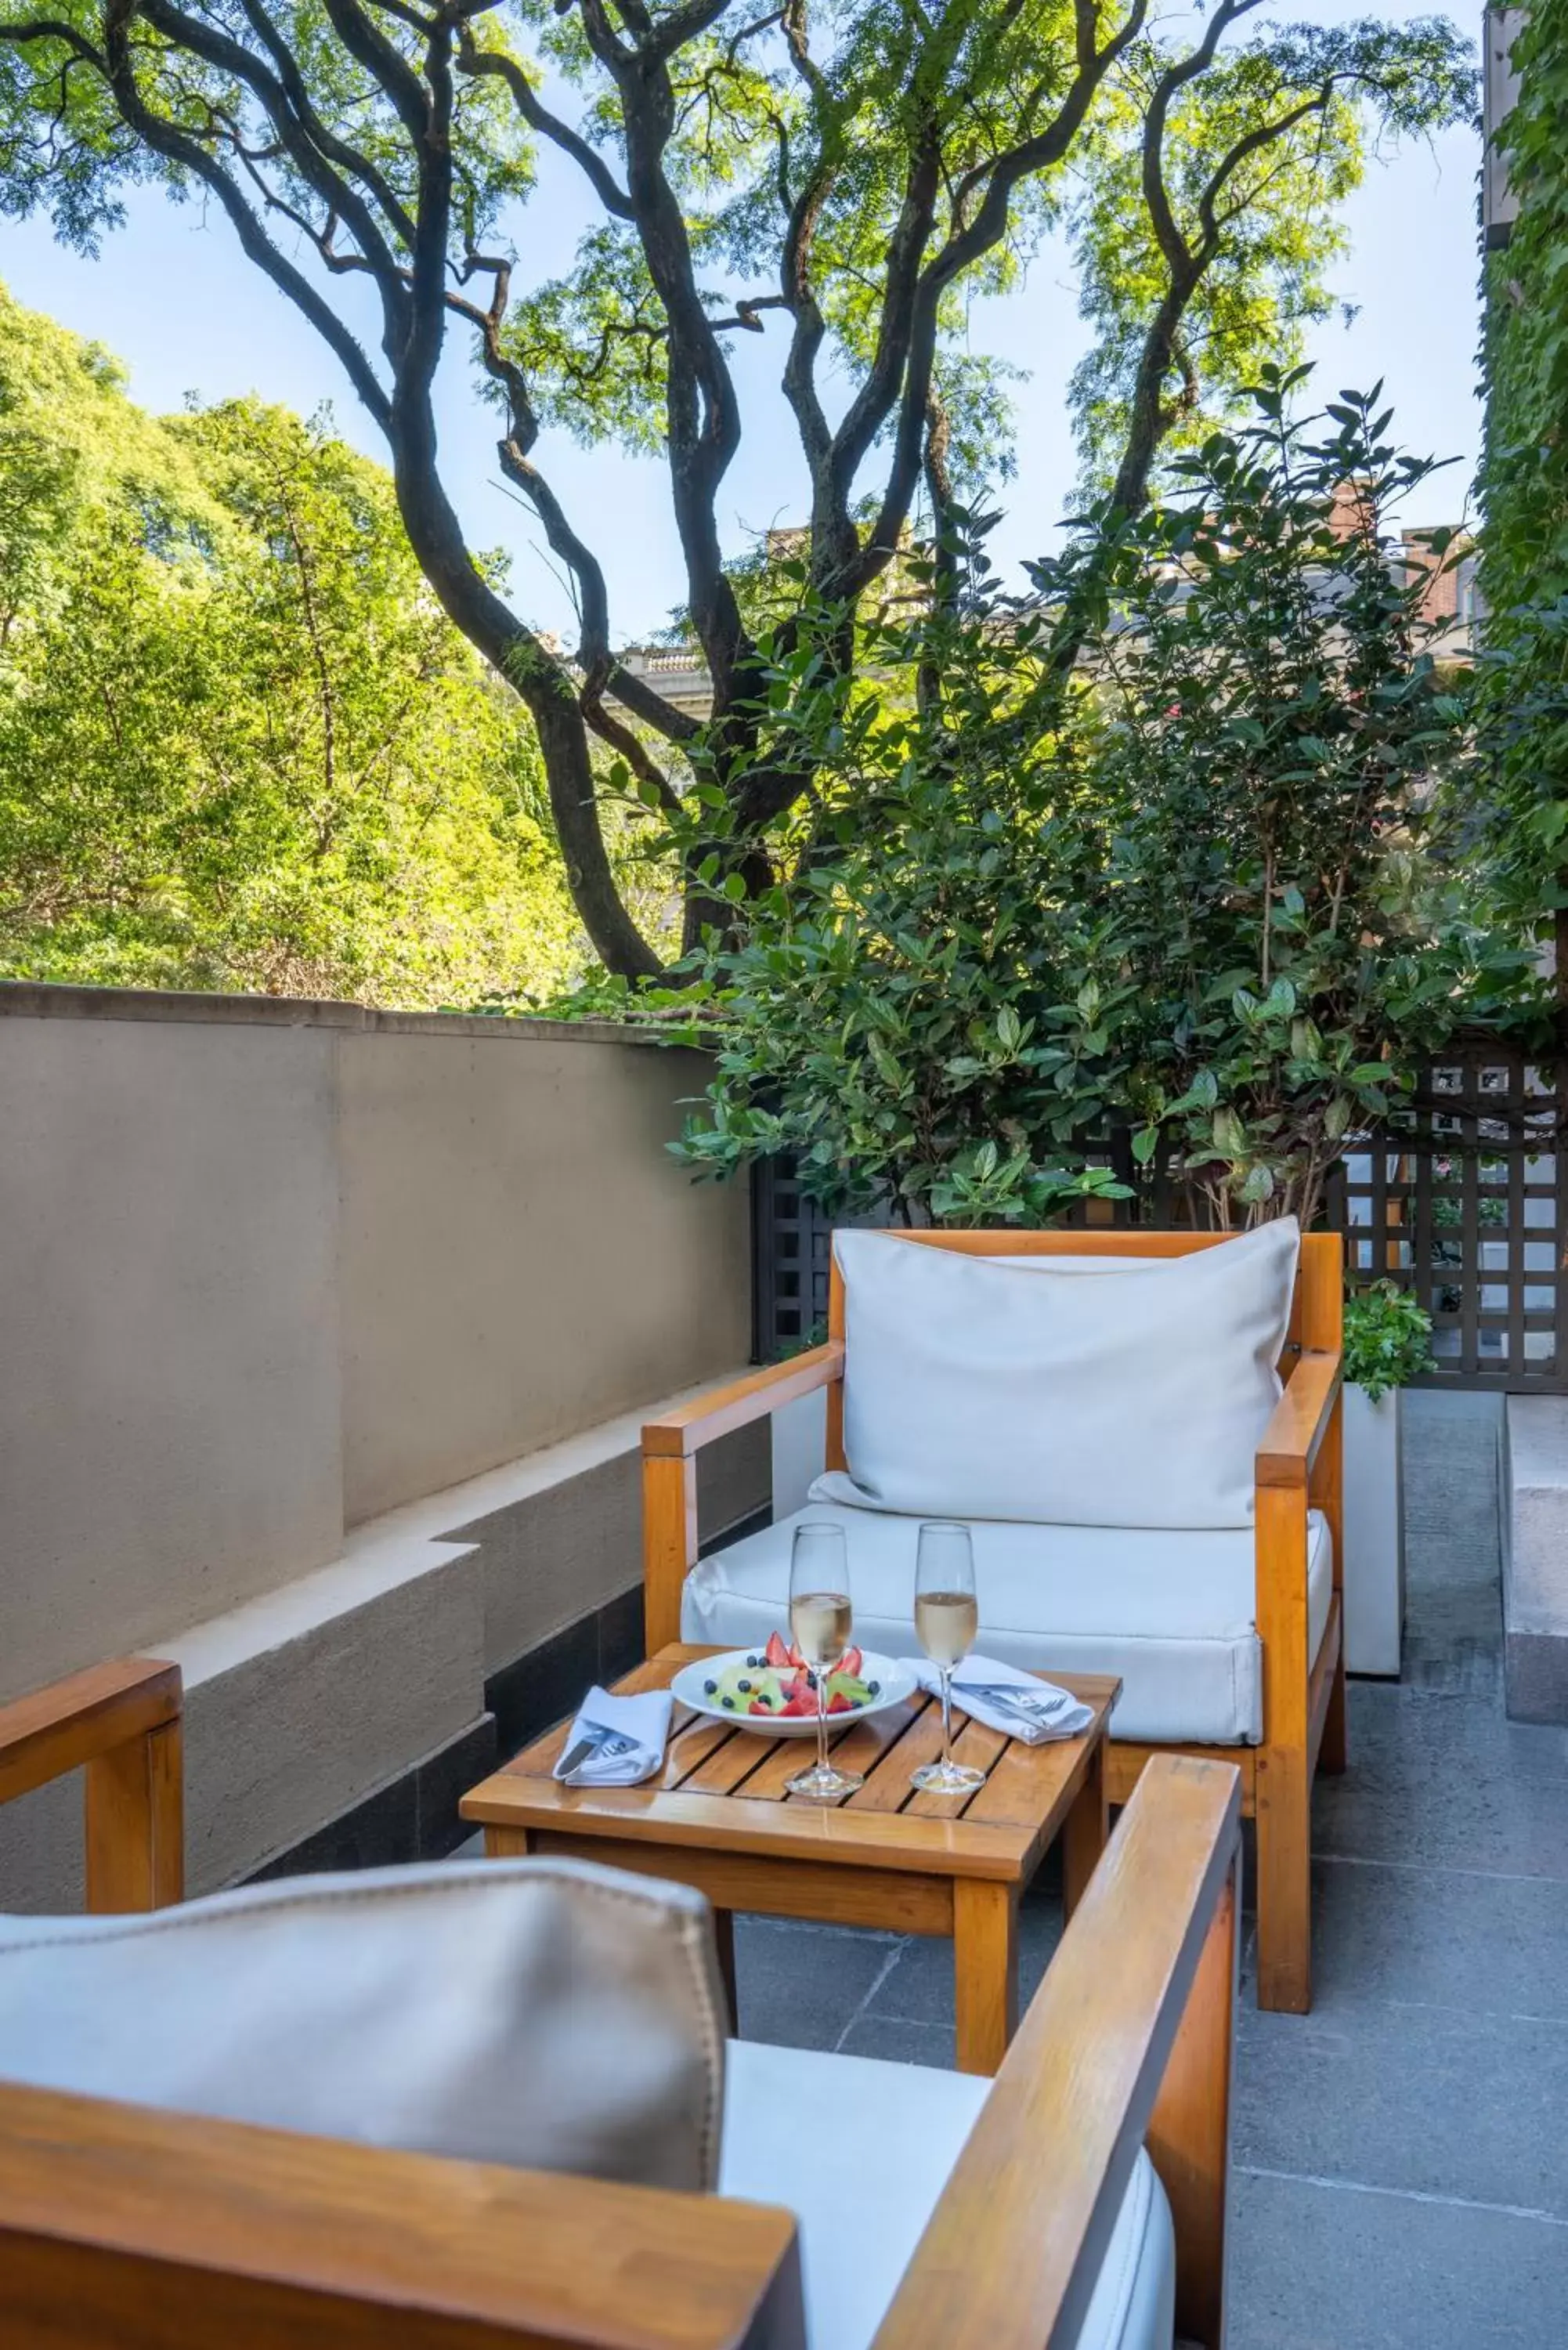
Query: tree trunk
[{"x": 496, "y": 633}]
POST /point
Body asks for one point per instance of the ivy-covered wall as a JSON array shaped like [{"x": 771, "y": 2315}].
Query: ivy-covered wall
[
  {"x": 1526, "y": 470},
  {"x": 1525, "y": 475}
]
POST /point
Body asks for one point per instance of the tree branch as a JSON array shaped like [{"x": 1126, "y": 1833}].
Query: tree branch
[
  {"x": 178, "y": 146},
  {"x": 969, "y": 240},
  {"x": 475, "y": 61},
  {"x": 229, "y": 57}
]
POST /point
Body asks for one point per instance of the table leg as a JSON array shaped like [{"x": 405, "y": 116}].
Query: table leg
[
  {"x": 724, "y": 1938},
  {"x": 985, "y": 1970},
  {"x": 505, "y": 1844},
  {"x": 1084, "y": 1835}
]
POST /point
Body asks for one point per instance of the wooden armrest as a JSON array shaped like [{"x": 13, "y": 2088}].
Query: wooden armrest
[
  {"x": 1015, "y": 2247},
  {"x": 57, "y": 1730},
  {"x": 680, "y": 1433},
  {"x": 119, "y": 2223},
  {"x": 1296, "y": 1427}
]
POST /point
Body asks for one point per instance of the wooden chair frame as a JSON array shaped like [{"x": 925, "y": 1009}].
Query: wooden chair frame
[
  {"x": 122, "y": 2228},
  {"x": 1299, "y": 1467},
  {"x": 124, "y": 1722}
]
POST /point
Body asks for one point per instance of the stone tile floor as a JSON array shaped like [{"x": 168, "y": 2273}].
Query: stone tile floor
[{"x": 1401, "y": 2155}]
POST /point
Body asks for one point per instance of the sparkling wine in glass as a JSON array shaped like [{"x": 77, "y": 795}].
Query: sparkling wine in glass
[
  {"x": 946, "y": 1617},
  {"x": 820, "y": 1618}
]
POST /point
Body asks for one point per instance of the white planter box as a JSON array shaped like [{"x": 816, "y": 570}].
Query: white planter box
[{"x": 1374, "y": 1534}]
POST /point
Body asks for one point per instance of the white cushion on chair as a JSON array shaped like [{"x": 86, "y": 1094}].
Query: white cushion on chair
[
  {"x": 546, "y": 2013},
  {"x": 1174, "y": 1613},
  {"x": 981, "y": 1387},
  {"x": 861, "y": 2151}
]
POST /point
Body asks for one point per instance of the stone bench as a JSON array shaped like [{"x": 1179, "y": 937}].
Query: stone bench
[{"x": 1534, "y": 1482}]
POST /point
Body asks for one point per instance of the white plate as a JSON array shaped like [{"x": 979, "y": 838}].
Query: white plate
[{"x": 895, "y": 1675}]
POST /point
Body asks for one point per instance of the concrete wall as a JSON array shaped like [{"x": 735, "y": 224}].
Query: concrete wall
[
  {"x": 170, "y": 1393},
  {"x": 273, "y": 1269},
  {"x": 327, "y": 1335},
  {"x": 520, "y": 1256}
]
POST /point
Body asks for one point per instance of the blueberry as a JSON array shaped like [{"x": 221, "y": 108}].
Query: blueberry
[
  {"x": 710, "y": 1689},
  {"x": 744, "y": 1688},
  {"x": 754, "y": 1660},
  {"x": 729, "y": 1704},
  {"x": 875, "y": 1688}
]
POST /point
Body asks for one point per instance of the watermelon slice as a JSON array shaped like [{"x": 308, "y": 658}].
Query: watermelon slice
[{"x": 839, "y": 1703}]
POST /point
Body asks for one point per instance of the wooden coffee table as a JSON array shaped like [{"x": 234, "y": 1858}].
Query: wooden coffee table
[{"x": 887, "y": 1857}]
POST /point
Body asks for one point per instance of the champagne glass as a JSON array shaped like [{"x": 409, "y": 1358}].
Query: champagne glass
[
  {"x": 819, "y": 1621},
  {"x": 946, "y": 1617}
]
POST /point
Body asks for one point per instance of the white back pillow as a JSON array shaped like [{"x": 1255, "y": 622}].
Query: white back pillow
[
  {"x": 1005, "y": 1387},
  {"x": 546, "y": 2013}
]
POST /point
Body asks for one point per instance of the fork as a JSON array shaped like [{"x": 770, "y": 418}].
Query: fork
[{"x": 1007, "y": 1699}]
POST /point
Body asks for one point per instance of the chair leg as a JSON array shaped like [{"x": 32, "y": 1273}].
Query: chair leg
[
  {"x": 1333, "y": 1754},
  {"x": 1284, "y": 1823}
]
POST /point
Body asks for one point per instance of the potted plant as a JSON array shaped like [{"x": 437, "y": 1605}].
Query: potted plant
[{"x": 1387, "y": 1343}]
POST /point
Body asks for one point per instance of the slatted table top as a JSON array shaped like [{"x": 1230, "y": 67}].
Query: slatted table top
[{"x": 724, "y": 1788}]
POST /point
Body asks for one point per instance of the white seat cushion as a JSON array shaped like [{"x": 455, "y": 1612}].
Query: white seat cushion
[
  {"x": 1172, "y": 1613},
  {"x": 982, "y": 1387},
  {"x": 861, "y": 2151},
  {"x": 547, "y": 2013}
]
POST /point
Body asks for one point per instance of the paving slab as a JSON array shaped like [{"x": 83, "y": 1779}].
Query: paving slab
[
  {"x": 1427, "y": 2101},
  {"x": 1314, "y": 2267},
  {"x": 803, "y": 1986},
  {"x": 1468, "y": 1940}
]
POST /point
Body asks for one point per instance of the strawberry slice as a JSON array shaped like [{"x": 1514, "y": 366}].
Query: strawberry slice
[
  {"x": 778, "y": 1656},
  {"x": 853, "y": 1660},
  {"x": 795, "y": 1658},
  {"x": 839, "y": 1703}
]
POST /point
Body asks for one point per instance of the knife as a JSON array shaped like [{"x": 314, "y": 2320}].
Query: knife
[{"x": 597, "y": 1740}]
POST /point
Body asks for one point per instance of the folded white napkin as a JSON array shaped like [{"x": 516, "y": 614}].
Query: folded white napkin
[
  {"x": 616, "y": 1741},
  {"x": 1019, "y": 1704}
]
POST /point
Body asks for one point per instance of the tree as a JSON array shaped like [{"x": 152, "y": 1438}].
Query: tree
[
  {"x": 1218, "y": 885},
  {"x": 909, "y": 1012},
  {"x": 240, "y": 744},
  {"x": 1298, "y": 910},
  {"x": 847, "y": 175}
]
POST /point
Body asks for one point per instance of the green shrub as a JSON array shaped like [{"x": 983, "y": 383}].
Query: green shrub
[{"x": 1387, "y": 1339}]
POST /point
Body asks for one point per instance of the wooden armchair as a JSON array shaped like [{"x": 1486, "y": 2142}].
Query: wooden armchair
[
  {"x": 1298, "y": 1468},
  {"x": 124, "y": 2228}
]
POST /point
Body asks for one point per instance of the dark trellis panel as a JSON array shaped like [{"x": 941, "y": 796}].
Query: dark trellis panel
[{"x": 1463, "y": 1205}]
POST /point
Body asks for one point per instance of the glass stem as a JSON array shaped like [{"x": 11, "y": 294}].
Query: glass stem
[
  {"x": 822, "y": 1722},
  {"x": 947, "y": 1717}
]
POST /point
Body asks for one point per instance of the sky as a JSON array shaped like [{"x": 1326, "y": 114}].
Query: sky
[{"x": 173, "y": 296}]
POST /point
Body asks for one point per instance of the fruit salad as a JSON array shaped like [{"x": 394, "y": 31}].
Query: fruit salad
[{"x": 777, "y": 1680}]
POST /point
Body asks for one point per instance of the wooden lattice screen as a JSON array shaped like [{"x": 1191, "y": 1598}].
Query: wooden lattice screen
[{"x": 1462, "y": 1204}]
